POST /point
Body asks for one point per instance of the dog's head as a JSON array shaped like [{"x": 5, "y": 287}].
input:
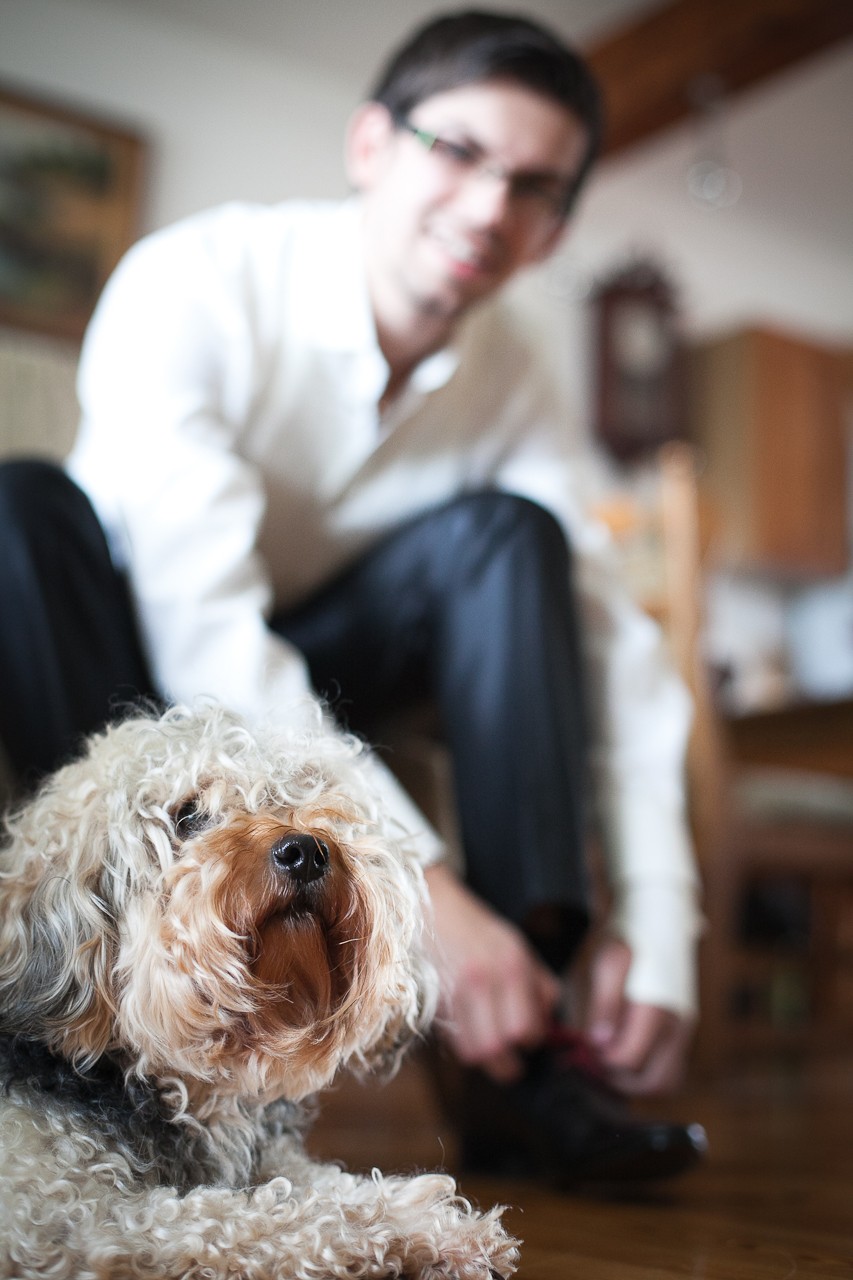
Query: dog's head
[{"x": 214, "y": 906}]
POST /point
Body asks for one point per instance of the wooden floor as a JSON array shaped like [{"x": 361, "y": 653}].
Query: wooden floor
[{"x": 773, "y": 1202}]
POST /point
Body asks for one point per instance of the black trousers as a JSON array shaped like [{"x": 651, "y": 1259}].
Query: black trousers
[{"x": 468, "y": 605}]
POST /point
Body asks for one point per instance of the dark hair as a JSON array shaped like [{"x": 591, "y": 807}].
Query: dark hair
[{"x": 475, "y": 45}]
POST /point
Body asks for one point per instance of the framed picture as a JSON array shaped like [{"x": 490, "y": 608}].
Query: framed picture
[{"x": 69, "y": 202}]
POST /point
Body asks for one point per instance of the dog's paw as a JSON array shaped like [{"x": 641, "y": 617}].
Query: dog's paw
[
  {"x": 439, "y": 1235},
  {"x": 484, "y": 1253},
  {"x": 475, "y": 1246}
]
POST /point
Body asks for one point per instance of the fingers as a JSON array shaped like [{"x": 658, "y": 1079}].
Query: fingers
[
  {"x": 641, "y": 1032},
  {"x": 606, "y": 998},
  {"x": 501, "y": 1005},
  {"x": 651, "y": 1056},
  {"x": 642, "y": 1047},
  {"x": 497, "y": 997}
]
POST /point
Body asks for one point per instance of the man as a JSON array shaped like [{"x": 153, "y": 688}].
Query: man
[{"x": 327, "y": 461}]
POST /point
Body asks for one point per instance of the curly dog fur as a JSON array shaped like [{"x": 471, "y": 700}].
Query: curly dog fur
[{"x": 199, "y": 926}]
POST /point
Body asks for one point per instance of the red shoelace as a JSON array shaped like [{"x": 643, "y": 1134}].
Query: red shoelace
[{"x": 571, "y": 1049}]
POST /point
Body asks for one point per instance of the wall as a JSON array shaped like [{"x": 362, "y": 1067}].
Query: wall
[{"x": 225, "y": 120}]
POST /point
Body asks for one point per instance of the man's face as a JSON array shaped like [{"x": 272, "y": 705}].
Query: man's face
[{"x": 463, "y": 197}]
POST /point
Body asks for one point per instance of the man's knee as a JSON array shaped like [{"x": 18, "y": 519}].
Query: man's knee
[{"x": 494, "y": 521}]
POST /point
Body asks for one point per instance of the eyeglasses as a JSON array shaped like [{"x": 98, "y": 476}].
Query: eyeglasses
[{"x": 544, "y": 197}]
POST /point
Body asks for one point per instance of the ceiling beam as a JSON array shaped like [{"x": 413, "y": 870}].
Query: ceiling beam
[{"x": 652, "y": 70}]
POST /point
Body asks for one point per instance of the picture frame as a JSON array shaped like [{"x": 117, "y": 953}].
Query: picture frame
[{"x": 70, "y": 188}]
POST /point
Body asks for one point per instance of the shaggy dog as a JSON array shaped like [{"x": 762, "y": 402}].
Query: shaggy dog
[{"x": 199, "y": 926}]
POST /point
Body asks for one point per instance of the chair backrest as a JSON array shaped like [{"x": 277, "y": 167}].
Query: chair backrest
[
  {"x": 685, "y": 542},
  {"x": 38, "y": 401},
  {"x": 665, "y": 536}
]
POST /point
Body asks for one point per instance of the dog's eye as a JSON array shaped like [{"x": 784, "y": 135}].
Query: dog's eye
[{"x": 189, "y": 819}]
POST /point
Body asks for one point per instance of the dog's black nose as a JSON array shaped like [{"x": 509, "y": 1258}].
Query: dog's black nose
[{"x": 302, "y": 856}]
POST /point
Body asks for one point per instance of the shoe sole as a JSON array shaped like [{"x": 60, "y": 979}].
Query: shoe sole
[{"x": 642, "y": 1166}]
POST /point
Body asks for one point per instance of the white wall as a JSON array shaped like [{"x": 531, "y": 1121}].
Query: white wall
[{"x": 224, "y": 120}]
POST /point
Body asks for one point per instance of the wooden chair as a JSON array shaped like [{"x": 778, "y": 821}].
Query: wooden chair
[{"x": 765, "y": 985}]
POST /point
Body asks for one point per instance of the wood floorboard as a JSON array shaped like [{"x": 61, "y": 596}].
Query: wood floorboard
[{"x": 774, "y": 1200}]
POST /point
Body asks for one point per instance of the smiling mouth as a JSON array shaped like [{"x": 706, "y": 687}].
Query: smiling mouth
[{"x": 464, "y": 254}]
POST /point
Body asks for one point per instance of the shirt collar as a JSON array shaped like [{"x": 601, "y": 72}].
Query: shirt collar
[{"x": 349, "y": 324}]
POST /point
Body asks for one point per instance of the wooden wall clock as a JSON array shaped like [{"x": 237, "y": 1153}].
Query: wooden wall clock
[{"x": 640, "y": 363}]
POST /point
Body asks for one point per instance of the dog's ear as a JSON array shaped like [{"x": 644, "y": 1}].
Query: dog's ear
[{"x": 58, "y": 944}]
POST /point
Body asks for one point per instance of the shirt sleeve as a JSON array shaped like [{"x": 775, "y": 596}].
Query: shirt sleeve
[
  {"x": 640, "y": 715},
  {"x": 166, "y": 370}
]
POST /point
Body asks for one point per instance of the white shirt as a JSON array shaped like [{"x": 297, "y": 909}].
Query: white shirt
[{"x": 233, "y": 449}]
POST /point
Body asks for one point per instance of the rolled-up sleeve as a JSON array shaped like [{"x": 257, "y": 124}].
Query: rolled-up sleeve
[{"x": 640, "y": 715}]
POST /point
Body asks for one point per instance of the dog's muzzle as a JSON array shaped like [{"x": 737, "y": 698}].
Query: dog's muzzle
[{"x": 302, "y": 857}]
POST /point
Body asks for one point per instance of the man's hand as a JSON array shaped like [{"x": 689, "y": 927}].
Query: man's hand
[
  {"x": 642, "y": 1047},
  {"x": 497, "y": 997}
]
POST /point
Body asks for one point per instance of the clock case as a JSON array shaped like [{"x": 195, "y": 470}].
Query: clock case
[{"x": 641, "y": 393}]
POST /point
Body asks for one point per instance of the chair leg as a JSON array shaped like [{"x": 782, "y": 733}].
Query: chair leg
[{"x": 717, "y": 969}]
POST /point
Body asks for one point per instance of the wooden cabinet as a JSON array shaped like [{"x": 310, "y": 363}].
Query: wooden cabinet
[{"x": 767, "y": 409}]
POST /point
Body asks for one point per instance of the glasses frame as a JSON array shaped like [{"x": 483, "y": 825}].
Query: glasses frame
[{"x": 468, "y": 159}]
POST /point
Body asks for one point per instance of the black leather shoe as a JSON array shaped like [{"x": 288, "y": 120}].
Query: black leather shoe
[{"x": 564, "y": 1123}]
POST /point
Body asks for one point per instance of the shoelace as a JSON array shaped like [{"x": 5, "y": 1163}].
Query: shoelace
[{"x": 570, "y": 1049}]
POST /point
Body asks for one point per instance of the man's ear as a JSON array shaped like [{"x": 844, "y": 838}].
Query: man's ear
[{"x": 368, "y": 134}]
